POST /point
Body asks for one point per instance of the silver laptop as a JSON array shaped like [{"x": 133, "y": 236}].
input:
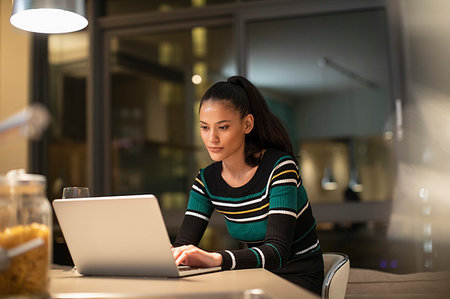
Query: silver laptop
[{"x": 119, "y": 236}]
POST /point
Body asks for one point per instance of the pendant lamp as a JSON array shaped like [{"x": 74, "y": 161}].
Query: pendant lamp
[
  {"x": 355, "y": 182},
  {"x": 49, "y": 16},
  {"x": 328, "y": 182}
]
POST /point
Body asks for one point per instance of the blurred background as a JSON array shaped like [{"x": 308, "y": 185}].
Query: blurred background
[{"x": 362, "y": 87}]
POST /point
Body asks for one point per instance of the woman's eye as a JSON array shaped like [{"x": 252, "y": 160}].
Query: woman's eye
[
  {"x": 203, "y": 127},
  {"x": 223, "y": 127}
]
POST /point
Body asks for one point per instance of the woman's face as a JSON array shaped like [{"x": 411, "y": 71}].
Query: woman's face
[{"x": 223, "y": 130}]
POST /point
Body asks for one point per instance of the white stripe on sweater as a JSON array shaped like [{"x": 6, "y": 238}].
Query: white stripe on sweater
[
  {"x": 228, "y": 204},
  {"x": 198, "y": 189},
  {"x": 301, "y": 212},
  {"x": 284, "y": 212},
  {"x": 197, "y": 215},
  {"x": 247, "y": 219},
  {"x": 294, "y": 181},
  {"x": 233, "y": 259},
  {"x": 263, "y": 259},
  {"x": 309, "y": 248}
]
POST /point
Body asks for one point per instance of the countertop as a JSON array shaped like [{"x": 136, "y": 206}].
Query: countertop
[{"x": 249, "y": 283}]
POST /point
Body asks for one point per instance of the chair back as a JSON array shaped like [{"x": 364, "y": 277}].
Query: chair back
[{"x": 336, "y": 270}]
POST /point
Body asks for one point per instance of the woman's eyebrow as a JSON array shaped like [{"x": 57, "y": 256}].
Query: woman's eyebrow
[{"x": 219, "y": 122}]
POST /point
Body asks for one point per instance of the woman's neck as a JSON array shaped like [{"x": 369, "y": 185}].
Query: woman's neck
[{"x": 236, "y": 172}]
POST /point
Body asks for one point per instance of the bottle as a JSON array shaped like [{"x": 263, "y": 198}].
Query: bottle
[{"x": 26, "y": 223}]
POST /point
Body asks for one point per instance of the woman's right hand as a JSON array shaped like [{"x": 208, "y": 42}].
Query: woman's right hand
[{"x": 193, "y": 256}]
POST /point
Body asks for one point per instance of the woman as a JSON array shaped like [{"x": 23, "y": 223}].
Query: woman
[{"x": 255, "y": 184}]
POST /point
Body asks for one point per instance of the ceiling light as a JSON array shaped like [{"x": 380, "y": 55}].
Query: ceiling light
[
  {"x": 196, "y": 79},
  {"x": 355, "y": 182},
  {"x": 49, "y": 16},
  {"x": 388, "y": 135},
  {"x": 328, "y": 181}
]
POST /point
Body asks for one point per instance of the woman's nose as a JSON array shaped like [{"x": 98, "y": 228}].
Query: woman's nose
[{"x": 213, "y": 137}]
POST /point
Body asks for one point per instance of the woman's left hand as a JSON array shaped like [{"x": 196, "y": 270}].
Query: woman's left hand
[{"x": 193, "y": 256}]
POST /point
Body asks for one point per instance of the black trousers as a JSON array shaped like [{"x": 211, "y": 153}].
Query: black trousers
[{"x": 304, "y": 272}]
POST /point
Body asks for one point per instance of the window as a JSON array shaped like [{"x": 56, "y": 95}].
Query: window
[
  {"x": 324, "y": 71},
  {"x": 327, "y": 76}
]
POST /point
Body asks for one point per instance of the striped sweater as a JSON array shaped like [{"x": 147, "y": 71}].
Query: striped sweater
[{"x": 270, "y": 214}]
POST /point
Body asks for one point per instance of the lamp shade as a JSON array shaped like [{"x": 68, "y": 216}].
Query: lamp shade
[
  {"x": 49, "y": 16},
  {"x": 328, "y": 182},
  {"x": 355, "y": 182}
]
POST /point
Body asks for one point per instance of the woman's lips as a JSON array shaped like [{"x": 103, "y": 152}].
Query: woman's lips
[{"x": 215, "y": 149}]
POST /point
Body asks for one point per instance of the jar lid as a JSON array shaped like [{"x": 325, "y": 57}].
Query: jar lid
[{"x": 19, "y": 177}]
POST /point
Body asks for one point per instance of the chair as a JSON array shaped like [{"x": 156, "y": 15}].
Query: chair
[{"x": 336, "y": 270}]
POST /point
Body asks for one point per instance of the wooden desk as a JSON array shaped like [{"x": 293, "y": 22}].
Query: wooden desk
[{"x": 251, "y": 283}]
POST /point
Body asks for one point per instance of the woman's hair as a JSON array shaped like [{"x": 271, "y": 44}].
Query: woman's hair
[{"x": 268, "y": 131}]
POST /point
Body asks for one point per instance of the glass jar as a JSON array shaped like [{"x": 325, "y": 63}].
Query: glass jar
[{"x": 28, "y": 220}]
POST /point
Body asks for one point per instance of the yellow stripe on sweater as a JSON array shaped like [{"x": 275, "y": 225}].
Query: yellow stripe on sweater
[
  {"x": 286, "y": 171},
  {"x": 243, "y": 212},
  {"x": 201, "y": 183}
]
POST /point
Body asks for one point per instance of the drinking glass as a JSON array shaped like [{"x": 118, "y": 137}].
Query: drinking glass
[{"x": 74, "y": 192}]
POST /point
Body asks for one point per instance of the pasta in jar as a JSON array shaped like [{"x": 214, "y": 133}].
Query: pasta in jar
[
  {"x": 27, "y": 273},
  {"x": 25, "y": 217}
]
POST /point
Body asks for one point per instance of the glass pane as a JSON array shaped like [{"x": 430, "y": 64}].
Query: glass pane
[
  {"x": 123, "y": 7},
  {"x": 368, "y": 161},
  {"x": 67, "y": 143},
  {"x": 328, "y": 78},
  {"x": 156, "y": 83},
  {"x": 68, "y": 69}
]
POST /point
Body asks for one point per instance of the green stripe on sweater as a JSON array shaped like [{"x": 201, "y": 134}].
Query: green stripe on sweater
[
  {"x": 283, "y": 197},
  {"x": 257, "y": 257},
  {"x": 199, "y": 203},
  {"x": 248, "y": 232}
]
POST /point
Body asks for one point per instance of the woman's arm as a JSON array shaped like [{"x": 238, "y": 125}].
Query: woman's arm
[
  {"x": 288, "y": 209},
  {"x": 272, "y": 254},
  {"x": 191, "y": 231},
  {"x": 196, "y": 218},
  {"x": 285, "y": 206}
]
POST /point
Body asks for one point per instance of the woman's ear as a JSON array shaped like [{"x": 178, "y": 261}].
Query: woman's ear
[{"x": 249, "y": 122}]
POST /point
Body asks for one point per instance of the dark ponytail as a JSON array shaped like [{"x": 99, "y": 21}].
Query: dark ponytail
[{"x": 268, "y": 131}]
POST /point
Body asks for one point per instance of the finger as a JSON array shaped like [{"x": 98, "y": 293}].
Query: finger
[
  {"x": 189, "y": 256},
  {"x": 179, "y": 250},
  {"x": 176, "y": 252},
  {"x": 181, "y": 259}
]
